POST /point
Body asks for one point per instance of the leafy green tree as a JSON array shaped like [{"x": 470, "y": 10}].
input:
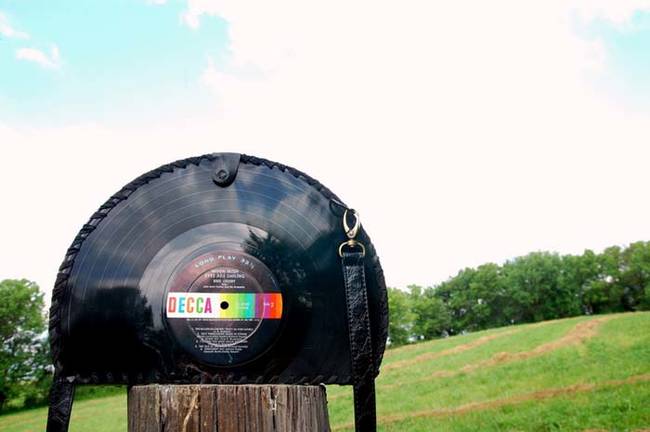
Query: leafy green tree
[
  {"x": 533, "y": 282},
  {"x": 431, "y": 317},
  {"x": 488, "y": 299},
  {"x": 635, "y": 275},
  {"x": 22, "y": 324},
  {"x": 401, "y": 317},
  {"x": 644, "y": 304},
  {"x": 475, "y": 299},
  {"x": 36, "y": 389},
  {"x": 578, "y": 273},
  {"x": 605, "y": 291},
  {"x": 455, "y": 293}
]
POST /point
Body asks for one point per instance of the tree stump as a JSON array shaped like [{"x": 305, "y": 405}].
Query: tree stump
[{"x": 227, "y": 408}]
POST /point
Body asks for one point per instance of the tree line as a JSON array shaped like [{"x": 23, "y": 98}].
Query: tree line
[{"x": 536, "y": 287}]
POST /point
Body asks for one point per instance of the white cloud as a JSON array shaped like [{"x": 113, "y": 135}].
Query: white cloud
[
  {"x": 55, "y": 54},
  {"x": 8, "y": 31},
  {"x": 618, "y": 12},
  {"x": 463, "y": 132},
  {"x": 477, "y": 121},
  {"x": 55, "y": 178},
  {"x": 51, "y": 61}
]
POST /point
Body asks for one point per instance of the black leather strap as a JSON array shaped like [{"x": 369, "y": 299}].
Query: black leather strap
[
  {"x": 61, "y": 397},
  {"x": 363, "y": 377}
]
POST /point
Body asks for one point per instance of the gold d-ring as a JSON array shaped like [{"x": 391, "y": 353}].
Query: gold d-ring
[
  {"x": 352, "y": 243},
  {"x": 351, "y": 232}
]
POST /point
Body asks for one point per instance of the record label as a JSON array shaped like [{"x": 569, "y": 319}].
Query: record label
[{"x": 224, "y": 307}]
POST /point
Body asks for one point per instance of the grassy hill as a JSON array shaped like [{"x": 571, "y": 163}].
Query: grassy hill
[{"x": 578, "y": 374}]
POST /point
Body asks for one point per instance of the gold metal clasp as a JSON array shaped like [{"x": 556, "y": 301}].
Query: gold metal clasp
[{"x": 351, "y": 233}]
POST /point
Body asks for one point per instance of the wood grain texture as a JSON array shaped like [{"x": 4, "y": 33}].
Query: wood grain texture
[{"x": 227, "y": 408}]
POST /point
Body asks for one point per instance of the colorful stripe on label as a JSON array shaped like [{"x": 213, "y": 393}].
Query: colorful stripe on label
[{"x": 224, "y": 305}]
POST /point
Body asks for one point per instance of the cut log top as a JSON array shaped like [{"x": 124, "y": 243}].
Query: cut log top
[{"x": 227, "y": 408}]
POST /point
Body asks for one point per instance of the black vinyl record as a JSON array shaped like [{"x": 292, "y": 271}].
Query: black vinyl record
[{"x": 177, "y": 278}]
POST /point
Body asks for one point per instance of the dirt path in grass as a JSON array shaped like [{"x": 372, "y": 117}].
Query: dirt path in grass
[
  {"x": 512, "y": 400},
  {"x": 391, "y": 352},
  {"x": 450, "y": 351},
  {"x": 579, "y": 333}
]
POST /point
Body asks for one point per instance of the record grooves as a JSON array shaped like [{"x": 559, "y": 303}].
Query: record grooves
[{"x": 176, "y": 279}]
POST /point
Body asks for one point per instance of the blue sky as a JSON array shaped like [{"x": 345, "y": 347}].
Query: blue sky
[
  {"x": 626, "y": 77},
  {"x": 120, "y": 61},
  {"x": 131, "y": 61}
]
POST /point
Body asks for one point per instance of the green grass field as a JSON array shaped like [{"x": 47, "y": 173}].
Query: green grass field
[{"x": 578, "y": 374}]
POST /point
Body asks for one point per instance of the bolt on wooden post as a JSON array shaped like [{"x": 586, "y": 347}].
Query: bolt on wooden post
[{"x": 227, "y": 408}]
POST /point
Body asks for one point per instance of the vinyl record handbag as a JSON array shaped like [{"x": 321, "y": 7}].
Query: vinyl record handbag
[{"x": 220, "y": 269}]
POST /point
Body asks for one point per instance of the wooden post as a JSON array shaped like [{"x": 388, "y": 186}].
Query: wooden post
[{"x": 227, "y": 408}]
